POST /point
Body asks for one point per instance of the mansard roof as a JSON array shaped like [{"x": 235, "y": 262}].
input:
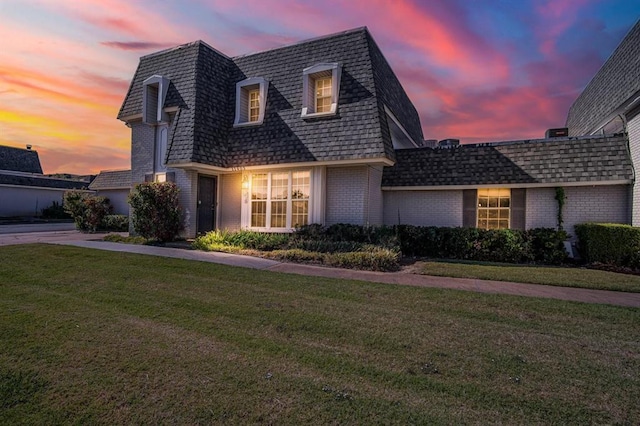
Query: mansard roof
[
  {"x": 19, "y": 160},
  {"x": 563, "y": 161},
  {"x": 611, "y": 90},
  {"x": 203, "y": 90}
]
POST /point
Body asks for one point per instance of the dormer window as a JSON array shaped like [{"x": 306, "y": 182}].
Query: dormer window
[
  {"x": 321, "y": 86},
  {"x": 154, "y": 93},
  {"x": 251, "y": 99}
]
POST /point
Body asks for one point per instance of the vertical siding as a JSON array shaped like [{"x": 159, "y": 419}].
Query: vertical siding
[
  {"x": 604, "y": 204},
  {"x": 346, "y": 195},
  {"x": 229, "y": 201},
  {"x": 633, "y": 130},
  {"x": 542, "y": 208},
  {"x": 423, "y": 208},
  {"x": 187, "y": 181}
]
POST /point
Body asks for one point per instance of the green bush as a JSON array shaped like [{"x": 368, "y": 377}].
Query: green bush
[
  {"x": 117, "y": 238},
  {"x": 374, "y": 259},
  {"x": 609, "y": 243},
  {"x": 546, "y": 246},
  {"x": 156, "y": 212},
  {"x": 115, "y": 222},
  {"x": 55, "y": 211},
  {"x": 262, "y": 241},
  {"x": 86, "y": 210}
]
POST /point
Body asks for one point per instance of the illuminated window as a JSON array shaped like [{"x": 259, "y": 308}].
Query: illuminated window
[
  {"x": 251, "y": 98},
  {"x": 254, "y": 105},
  {"x": 280, "y": 199},
  {"x": 494, "y": 208},
  {"x": 323, "y": 94},
  {"x": 321, "y": 86}
]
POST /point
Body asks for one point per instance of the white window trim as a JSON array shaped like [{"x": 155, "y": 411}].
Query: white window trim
[
  {"x": 162, "y": 84},
  {"x": 316, "y": 198},
  {"x": 263, "y": 85},
  {"x": 308, "y": 102}
]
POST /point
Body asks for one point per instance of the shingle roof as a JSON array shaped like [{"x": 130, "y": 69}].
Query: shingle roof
[
  {"x": 568, "y": 160},
  {"x": 205, "y": 81},
  {"x": 117, "y": 179},
  {"x": 42, "y": 182},
  {"x": 19, "y": 160},
  {"x": 616, "y": 82}
]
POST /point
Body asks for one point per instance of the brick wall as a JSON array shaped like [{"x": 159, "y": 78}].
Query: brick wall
[
  {"x": 346, "y": 195},
  {"x": 542, "y": 208},
  {"x": 375, "y": 201},
  {"x": 142, "y": 151},
  {"x": 633, "y": 130},
  {"x": 423, "y": 208},
  {"x": 229, "y": 201},
  {"x": 604, "y": 204}
]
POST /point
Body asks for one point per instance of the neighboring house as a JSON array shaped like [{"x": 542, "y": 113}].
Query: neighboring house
[
  {"x": 322, "y": 132},
  {"x": 24, "y": 190},
  {"x": 115, "y": 185},
  {"x": 611, "y": 104}
]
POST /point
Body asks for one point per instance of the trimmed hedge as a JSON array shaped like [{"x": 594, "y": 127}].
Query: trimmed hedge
[
  {"x": 379, "y": 248},
  {"x": 156, "y": 212},
  {"x": 609, "y": 243}
]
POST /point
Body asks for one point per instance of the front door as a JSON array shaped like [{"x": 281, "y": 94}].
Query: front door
[{"x": 206, "y": 204}]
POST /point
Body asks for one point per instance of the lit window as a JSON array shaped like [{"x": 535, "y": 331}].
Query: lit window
[
  {"x": 280, "y": 199},
  {"x": 251, "y": 97},
  {"x": 323, "y": 94},
  {"x": 254, "y": 105},
  {"x": 321, "y": 86},
  {"x": 494, "y": 208}
]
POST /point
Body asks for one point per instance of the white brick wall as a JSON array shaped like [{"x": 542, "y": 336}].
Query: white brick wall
[
  {"x": 604, "y": 204},
  {"x": 229, "y": 201},
  {"x": 542, "y": 208},
  {"x": 187, "y": 181},
  {"x": 375, "y": 200},
  {"x": 633, "y": 130},
  {"x": 423, "y": 208},
  {"x": 346, "y": 195}
]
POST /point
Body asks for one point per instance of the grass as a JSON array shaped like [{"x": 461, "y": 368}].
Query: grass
[
  {"x": 557, "y": 276},
  {"x": 97, "y": 337}
]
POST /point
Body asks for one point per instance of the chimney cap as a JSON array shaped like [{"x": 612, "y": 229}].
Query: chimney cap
[{"x": 29, "y": 147}]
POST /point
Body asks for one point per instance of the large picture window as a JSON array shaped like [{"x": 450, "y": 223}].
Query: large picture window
[
  {"x": 494, "y": 208},
  {"x": 280, "y": 199}
]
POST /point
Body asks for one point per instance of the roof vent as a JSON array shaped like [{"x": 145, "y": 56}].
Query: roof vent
[
  {"x": 29, "y": 147},
  {"x": 429, "y": 143},
  {"x": 448, "y": 143},
  {"x": 561, "y": 132}
]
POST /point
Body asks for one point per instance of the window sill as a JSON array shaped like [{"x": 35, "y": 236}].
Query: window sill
[
  {"x": 318, "y": 114},
  {"x": 247, "y": 124}
]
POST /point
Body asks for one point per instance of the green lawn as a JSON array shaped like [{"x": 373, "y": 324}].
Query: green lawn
[
  {"x": 558, "y": 276},
  {"x": 90, "y": 336}
]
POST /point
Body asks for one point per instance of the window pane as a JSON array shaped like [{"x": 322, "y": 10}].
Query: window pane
[
  {"x": 504, "y": 224},
  {"x": 504, "y": 213},
  {"x": 279, "y": 186},
  {"x": 259, "y": 187},
  {"x": 504, "y": 202},
  {"x": 278, "y": 214},
  {"x": 493, "y": 213},
  {"x": 300, "y": 213},
  {"x": 483, "y": 202},
  {"x": 259, "y": 213},
  {"x": 493, "y": 202},
  {"x": 300, "y": 185},
  {"x": 482, "y": 223},
  {"x": 482, "y": 213}
]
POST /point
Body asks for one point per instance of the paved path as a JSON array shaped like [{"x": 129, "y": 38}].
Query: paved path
[
  {"x": 402, "y": 278},
  {"x": 18, "y": 228}
]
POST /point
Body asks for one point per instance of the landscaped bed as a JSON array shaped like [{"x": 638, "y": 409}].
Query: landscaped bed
[{"x": 90, "y": 336}]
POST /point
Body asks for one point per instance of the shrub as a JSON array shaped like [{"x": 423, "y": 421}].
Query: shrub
[
  {"x": 55, "y": 211},
  {"x": 373, "y": 259},
  {"x": 86, "y": 210},
  {"x": 546, "y": 246},
  {"x": 117, "y": 238},
  {"x": 156, "y": 211},
  {"x": 257, "y": 240},
  {"x": 115, "y": 222},
  {"x": 609, "y": 243}
]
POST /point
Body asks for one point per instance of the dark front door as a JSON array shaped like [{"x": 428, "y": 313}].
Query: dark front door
[{"x": 206, "y": 204}]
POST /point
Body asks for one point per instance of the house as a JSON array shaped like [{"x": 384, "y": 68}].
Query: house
[
  {"x": 24, "y": 190},
  {"x": 114, "y": 185},
  {"x": 611, "y": 104},
  {"x": 322, "y": 131}
]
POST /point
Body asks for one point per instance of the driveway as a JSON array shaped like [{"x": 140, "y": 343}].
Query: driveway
[{"x": 42, "y": 233}]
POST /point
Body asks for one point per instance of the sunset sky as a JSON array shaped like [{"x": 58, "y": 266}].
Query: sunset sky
[{"x": 477, "y": 70}]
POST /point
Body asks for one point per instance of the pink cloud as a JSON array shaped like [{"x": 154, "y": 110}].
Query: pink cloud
[{"x": 136, "y": 45}]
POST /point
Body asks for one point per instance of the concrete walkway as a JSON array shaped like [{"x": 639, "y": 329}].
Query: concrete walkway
[{"x": 401, "y": 278}]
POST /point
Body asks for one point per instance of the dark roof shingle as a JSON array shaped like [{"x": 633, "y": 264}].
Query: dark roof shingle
[
  {"x": 116, "y": 179},
  {"x": 19, "y": 160},
  {"x": 525, "y": 162}
]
